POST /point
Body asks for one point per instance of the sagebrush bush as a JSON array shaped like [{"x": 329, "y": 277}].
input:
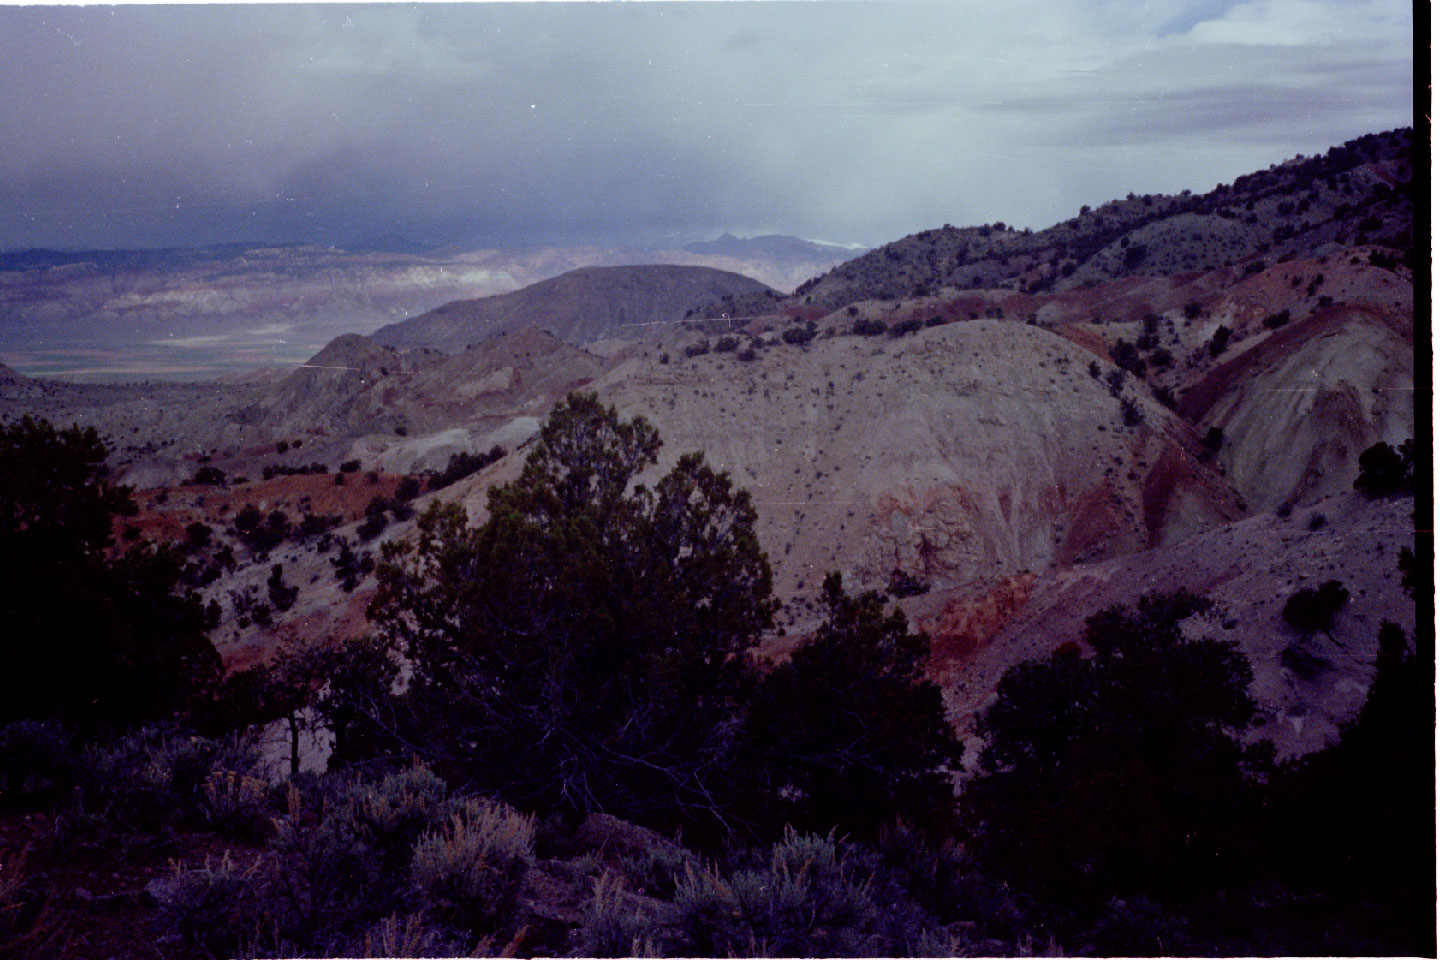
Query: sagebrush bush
[
  {"x": 235, "y": 804},
  {"x": 155, "y": 777},
  {"x": 809, "y": 901},
  {"x": 390, "y": 815},
  {"x": 613, "y": 926},
  {"x": 474, "y": 867},
  {"x": 333, "y": 879},
  {"x": 1138, "y": 927},
  {"x": 414, "y": 937},
  {"x": 339, "y": 858},
  {"x": 218, "y": 909},
  {"x": 28, "y": 927},
  {"x": 658, "y": 870},
  {"x": 128, "y": 782},
  {"x": 943, "y": 880}
]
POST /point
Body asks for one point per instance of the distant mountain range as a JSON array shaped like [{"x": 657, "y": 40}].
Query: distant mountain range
[{"x": 776, "y": 246}]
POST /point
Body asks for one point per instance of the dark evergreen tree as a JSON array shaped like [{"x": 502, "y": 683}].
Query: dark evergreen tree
[
  {"x": 282, "y": 595},
  {"x": 88, "y": 637},
  {"x": 1355, "y": 823},
  {"x": 581, "y": 649},
  {"x": 1120, "y": 771},
  {"x": 848, "y": 731},
  {"x": 1385, "y": 469},
  {"x": 1313, "y": 609}
]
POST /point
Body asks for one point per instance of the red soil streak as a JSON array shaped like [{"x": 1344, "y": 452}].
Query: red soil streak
[
  {"x": 1097, "y": 519},
  {"x": 1085, "y": 339},
  {"x": 1163, "y": 480},
  {"x": 914, "y": 502},
  {"x": 963, "y": 626},
  {"x": 328, "y": 628},
  {"x": 1199, "y": 398},
  {"x": 161, "y": 521}
]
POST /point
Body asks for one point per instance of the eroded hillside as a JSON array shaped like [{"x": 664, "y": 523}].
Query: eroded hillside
[{"x": 967, "y": 451}]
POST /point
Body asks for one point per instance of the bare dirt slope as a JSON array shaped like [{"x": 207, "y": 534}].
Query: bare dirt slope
[
  {"x": 963, "y": 452},
  {"x": 1297, "y": 410}
]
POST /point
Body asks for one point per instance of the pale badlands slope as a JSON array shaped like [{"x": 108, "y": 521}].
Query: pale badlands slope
[{"x": 964, "y": 452}]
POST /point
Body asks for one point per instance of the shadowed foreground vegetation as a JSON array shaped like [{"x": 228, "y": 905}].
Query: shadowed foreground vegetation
[{"x": 556, "y": 740}]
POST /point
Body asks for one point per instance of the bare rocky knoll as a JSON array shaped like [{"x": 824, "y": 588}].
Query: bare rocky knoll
[
  {"x": 1357, "y": 193},
  {"x": 579, "y": 306}
]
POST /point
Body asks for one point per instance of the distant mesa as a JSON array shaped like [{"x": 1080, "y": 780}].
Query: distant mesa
[{"x": 579, "y": 307}]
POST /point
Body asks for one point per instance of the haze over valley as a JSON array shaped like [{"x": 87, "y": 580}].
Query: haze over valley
[{"x": 198, "y": 313}]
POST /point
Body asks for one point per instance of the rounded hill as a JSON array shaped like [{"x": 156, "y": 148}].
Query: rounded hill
[{"x": 583, "y": 305}]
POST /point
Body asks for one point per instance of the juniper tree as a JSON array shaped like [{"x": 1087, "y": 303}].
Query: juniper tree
[
  {"x": 849, "y": 731},
  {"x": 95, "y": 639},
  {"x": 1120, "y": 769},
  {"x": 581, "y": 648}
]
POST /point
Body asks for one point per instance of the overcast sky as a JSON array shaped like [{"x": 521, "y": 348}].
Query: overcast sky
[{"x": 651, "y": 123}]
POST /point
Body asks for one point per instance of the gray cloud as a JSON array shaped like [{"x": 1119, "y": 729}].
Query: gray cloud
[
  {"x": 647, "y": 122},
  {"x": 1270, "y": 95}
]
